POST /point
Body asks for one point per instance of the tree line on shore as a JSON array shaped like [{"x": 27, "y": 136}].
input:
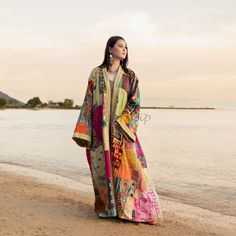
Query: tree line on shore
[{"x": 35, "y": 102}]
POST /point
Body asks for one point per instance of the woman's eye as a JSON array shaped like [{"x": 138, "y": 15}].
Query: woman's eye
[{"x": 121, "y": 46}]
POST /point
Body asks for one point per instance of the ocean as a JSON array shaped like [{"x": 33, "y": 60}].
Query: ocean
[{"x": 191, "y": 154}]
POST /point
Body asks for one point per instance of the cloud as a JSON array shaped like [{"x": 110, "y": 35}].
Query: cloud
[
  {"x": 204, "y": 26},
  {"x": 6, "y": 12},
  {"x": 26, "y": 38},
  {"x": 135, "y": 26},
  {"x": 132, "y": 22}
]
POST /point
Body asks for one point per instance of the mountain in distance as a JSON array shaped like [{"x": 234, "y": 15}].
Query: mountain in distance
[{"x": 10, "y": 100}]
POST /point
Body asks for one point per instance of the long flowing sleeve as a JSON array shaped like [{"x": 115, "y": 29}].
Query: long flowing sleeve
[
  {"x": 128, "y": 120},
  {"x": 83, "y": 129}
]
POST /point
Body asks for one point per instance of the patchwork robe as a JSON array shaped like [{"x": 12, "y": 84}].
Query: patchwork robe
[{"x": 107, "y": 128}]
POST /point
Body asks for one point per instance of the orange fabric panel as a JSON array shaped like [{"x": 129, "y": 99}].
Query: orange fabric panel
[
  {"x": 81, "y": 128},
  {"x": 124, "y": 172}
]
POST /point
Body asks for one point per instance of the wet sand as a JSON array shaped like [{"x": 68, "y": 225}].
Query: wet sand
[{"x": 44, "y": 204}]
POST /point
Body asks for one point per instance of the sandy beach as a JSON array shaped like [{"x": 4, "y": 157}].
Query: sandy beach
[{"x": 45, "y": 204}]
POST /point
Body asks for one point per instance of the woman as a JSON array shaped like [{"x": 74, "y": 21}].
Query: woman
[{"x": 107, "y": 128}]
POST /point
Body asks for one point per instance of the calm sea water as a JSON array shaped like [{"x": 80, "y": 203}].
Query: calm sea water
[{"x": 191, "y": 154}]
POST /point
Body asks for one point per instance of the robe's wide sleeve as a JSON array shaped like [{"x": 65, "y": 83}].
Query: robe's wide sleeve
[
  {"x": 128, "y": 120},
  {"x": 83, "y": 129}
]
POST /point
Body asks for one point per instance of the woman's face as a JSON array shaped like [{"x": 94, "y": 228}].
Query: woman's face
[{"x": 119, "y": 50}]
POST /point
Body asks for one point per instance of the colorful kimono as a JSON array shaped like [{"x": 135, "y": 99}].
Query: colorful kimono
[{"x": 107, "y": 128}]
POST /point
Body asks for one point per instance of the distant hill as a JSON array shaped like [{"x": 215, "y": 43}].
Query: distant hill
[{"x": 10, "y": 100}]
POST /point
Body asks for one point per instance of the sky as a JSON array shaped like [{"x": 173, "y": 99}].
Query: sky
[{"x": 183, "y": 52}]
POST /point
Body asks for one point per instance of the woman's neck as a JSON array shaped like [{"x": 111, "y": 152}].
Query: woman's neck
[{"x": 113, "y": 68}]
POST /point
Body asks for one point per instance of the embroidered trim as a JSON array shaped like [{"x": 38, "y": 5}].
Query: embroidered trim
[{"x": 127, "y": 131}]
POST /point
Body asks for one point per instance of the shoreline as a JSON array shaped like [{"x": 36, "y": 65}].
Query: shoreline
[
  {"x": 75, "y": 108},
  {"x": 52, "y": 199},
  {"x": 45, "y": 176}
]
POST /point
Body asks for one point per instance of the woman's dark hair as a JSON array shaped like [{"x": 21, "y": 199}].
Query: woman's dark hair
[{"x": 106, "y": 61}]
